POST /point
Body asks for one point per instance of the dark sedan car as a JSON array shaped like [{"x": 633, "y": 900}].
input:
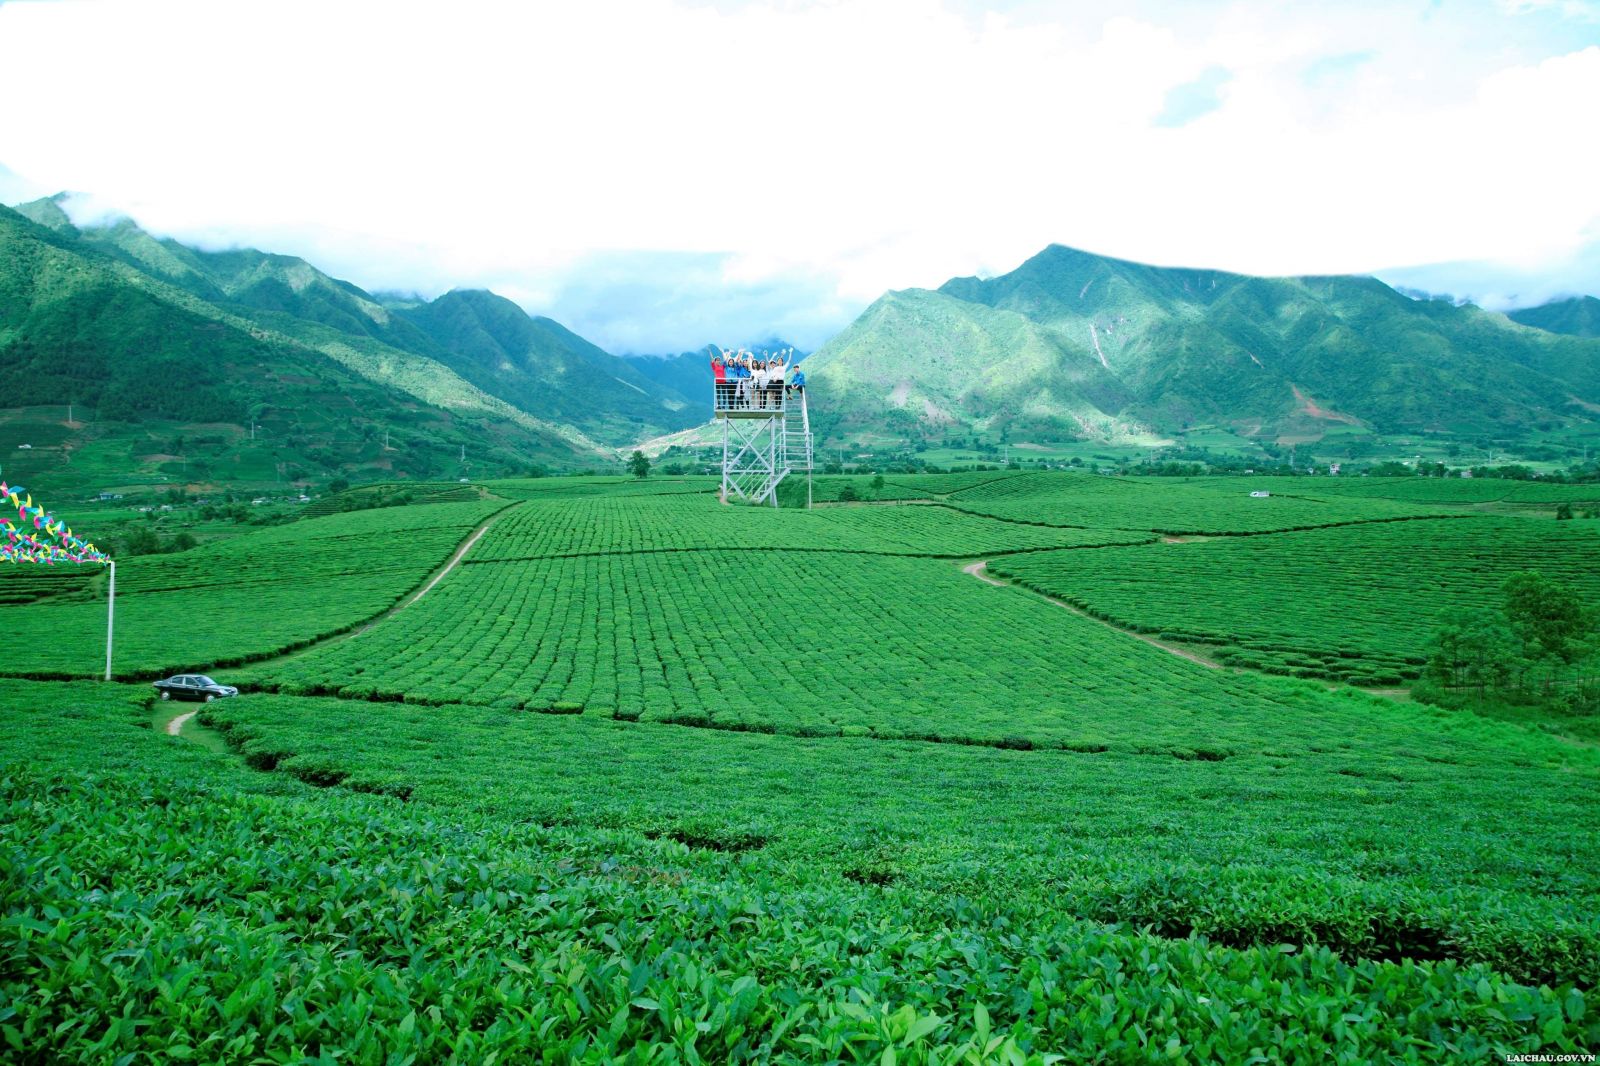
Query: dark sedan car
[{"x": 193, "y": 687}]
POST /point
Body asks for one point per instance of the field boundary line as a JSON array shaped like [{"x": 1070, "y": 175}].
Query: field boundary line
[
  {"x": 980, "y": 569},
  {"x": 462, "y": 550},
  {"x": 1476, "y": 516},
  {"x": 943, "y": 556}
]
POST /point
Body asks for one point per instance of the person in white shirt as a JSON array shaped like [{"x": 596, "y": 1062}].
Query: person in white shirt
[
  {"x": 761, "y": 383},
  {"x": 775, "y": 372}
]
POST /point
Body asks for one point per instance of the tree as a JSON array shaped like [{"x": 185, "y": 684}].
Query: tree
[
  {"x": 1473, "y": 648},
  {"x": 848, "y": 494},
  {"x": 1564, "y": 512},
  {"x": 338, "y": 484},
  {"x": 1547, "y": 617},
  {"x": 877, "y": 482},
  {"x": 638, "y": 465}
]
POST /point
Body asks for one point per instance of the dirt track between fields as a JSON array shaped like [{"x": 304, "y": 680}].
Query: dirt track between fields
[
  {"x": 177, "y": 724},
  {"x": 449, "y": 566},
  {"x": 980, "y": 568}
]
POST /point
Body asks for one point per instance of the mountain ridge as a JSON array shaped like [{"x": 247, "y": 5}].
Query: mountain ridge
[
  {"x": 81, "y": 325},
  {"x": 1172, "y": 347},
  {"x": 1576, "y": 316},
  {"x": 289, "y": 295}
]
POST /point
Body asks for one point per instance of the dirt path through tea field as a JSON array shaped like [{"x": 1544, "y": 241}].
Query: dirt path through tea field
[
  {"x": 980, "y": 569},
  {"x": 177, "y": 724},
  {"x": 455, "y": 559},
  {"x": 466, "y": 546}
]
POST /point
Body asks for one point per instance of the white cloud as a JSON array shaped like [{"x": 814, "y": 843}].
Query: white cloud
[{"x": 660, "y": 174}]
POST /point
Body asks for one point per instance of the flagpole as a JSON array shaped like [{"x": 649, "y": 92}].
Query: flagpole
[{"x": 111, "y": 607}]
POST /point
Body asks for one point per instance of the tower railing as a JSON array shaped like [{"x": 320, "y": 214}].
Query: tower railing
[{"x": 766, "y": 436}]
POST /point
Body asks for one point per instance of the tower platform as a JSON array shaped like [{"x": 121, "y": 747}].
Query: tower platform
[{"x": 766, "y": 437}]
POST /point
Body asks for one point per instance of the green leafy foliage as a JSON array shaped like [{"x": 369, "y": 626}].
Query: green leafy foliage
[
  {"x": 1069, "y": 499},
  {"x": 610, "y": 524},
  {"x": 1357, "y": 603},
  {"x": 167, "y": 903},
  {"x": 238, "y": 599},
  {"x": 877, "y": 645}
]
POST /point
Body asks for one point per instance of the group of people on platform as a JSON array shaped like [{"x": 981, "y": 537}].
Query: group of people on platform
[{"x": 746, "y": 382}]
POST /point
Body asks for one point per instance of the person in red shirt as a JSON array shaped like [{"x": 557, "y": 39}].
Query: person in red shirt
[{"x": 719, "y": 374}]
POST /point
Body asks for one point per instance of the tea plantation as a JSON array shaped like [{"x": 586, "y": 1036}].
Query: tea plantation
[
  {"x": 1173, "y": 506},
  {"x": 239, "y": 599},
  {"x": 649, "y": 779},
  {"x": 1356, "y": 603}
]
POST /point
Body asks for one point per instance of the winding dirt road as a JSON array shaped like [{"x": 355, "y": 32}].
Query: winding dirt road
[
  {"x": 980, "y": 569},
  {"x": 176, "y": 725}
]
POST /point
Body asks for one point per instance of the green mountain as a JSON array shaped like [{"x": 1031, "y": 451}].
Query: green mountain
[
  {"x": 169, "y": 383},
  {"x": 1081, "y": 345},
  {"x": 1577, "y": 317},
  {"x": 473, "y": 340},
  {"x": 543, "y": 368}
]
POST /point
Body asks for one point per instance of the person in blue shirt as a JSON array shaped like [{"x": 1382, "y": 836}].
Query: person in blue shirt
[
  {"x": 797, "y": 380},
  {"x": 739, "y": 370}
]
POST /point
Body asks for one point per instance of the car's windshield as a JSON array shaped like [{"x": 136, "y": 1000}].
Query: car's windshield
[{"x": 203, "y": 681}]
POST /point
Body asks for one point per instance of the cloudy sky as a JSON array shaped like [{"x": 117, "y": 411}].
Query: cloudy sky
[{"x": 659, "y": 174}]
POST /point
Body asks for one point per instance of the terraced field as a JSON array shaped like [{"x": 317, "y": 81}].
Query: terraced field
[
  {"x": 566, "y": 488},
  {"x": 682, "y": 523},
  {"x": 1432, "y": 490},
  {"x": 883, "y": 647}
]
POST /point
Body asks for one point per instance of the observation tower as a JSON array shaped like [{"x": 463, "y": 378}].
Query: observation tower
[{"x": 766, "y": 433}]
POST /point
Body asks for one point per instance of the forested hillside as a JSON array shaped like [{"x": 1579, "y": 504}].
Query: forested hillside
[
  {"x": 143, "y": 362},
  {"x": 1085, "y": 345}
]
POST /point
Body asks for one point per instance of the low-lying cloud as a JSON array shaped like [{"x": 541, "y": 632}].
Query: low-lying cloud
[{"x": 658, "y": 174}]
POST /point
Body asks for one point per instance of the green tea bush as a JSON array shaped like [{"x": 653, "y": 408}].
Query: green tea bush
[
  {"x": 250, "y": 596},
  {"x": 160, "y": 903},
  {"x": 1169, "y": 506},
  {"x": 1358, "y": 603}
]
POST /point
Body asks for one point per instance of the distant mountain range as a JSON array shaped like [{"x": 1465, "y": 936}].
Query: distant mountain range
[
  {"x": 1072, "y": 344},
  {"x": 243, "y": 366},
  {"x": 1576, "y": 317},
  {"x": 144, "y": 331}
]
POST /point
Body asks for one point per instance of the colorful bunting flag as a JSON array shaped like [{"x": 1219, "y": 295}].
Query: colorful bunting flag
[{"x": 58, "y": 545}]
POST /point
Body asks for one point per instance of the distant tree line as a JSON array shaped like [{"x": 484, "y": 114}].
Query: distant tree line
[{"x": 1540, "y": 645}]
